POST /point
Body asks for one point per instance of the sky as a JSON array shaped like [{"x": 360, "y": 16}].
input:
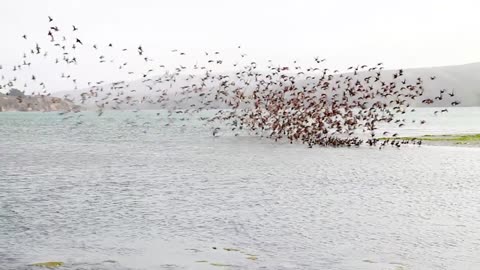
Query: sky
[{"x": 401, "y": 34}]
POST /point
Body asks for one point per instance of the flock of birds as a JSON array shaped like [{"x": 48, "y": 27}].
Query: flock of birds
[{"x": 312, "y": 105}]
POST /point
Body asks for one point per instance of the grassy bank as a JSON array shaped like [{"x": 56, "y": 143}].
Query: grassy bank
[{"x": 446, "y": 139}]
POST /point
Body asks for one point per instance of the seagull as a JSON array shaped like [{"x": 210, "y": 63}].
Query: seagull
[{"x": 51, "y": 36}]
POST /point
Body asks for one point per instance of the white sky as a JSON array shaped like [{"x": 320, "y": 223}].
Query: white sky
[{"x": 403, "y": 33}]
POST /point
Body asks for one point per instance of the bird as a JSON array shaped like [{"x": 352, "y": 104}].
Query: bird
[
  {"x": 51, "y": 36},
  {"x": 312, "y": 106}
]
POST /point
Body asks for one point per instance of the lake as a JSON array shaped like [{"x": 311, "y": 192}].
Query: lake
[{"x": 125, "y": 191}]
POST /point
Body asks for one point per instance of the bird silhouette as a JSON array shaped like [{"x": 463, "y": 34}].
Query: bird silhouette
[{"x": 285, "y": 102}]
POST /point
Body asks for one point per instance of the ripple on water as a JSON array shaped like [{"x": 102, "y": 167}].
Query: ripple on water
[{"x": 103, "y": 196}]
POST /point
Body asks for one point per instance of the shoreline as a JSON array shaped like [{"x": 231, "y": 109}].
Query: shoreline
[{"x": 468, "y": 140}]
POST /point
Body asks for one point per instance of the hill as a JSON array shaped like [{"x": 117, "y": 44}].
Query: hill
[
  {"x": 13, "y": 103},
  {"x": 463, "y": 80}
]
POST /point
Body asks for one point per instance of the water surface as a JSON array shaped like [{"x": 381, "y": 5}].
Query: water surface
[{"x": 124, "y": 191}]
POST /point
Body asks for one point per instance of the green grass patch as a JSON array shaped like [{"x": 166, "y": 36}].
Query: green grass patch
[
  {"x": 50, "y": 265},
  {"x": 459, "y": 139}
]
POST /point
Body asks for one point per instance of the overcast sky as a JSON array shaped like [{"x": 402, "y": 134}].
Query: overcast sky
[{"x": 406, "y": 33}]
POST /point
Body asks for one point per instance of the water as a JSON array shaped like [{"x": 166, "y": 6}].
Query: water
[{"x": 105, "y": 194}]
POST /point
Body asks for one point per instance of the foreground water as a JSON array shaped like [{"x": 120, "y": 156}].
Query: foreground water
[{"x": 111, "y": 193}]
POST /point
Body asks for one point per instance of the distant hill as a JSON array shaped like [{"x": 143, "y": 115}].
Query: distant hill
[
  {"x": 463, "y": 80},
  {"x": 17, "y": 101}
]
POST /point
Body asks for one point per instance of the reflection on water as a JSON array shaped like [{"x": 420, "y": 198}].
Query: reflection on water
[{"x": 106, "y": 195}]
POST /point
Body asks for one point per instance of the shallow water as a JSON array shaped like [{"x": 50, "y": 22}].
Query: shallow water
[{"x": 105, "y": 194}]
